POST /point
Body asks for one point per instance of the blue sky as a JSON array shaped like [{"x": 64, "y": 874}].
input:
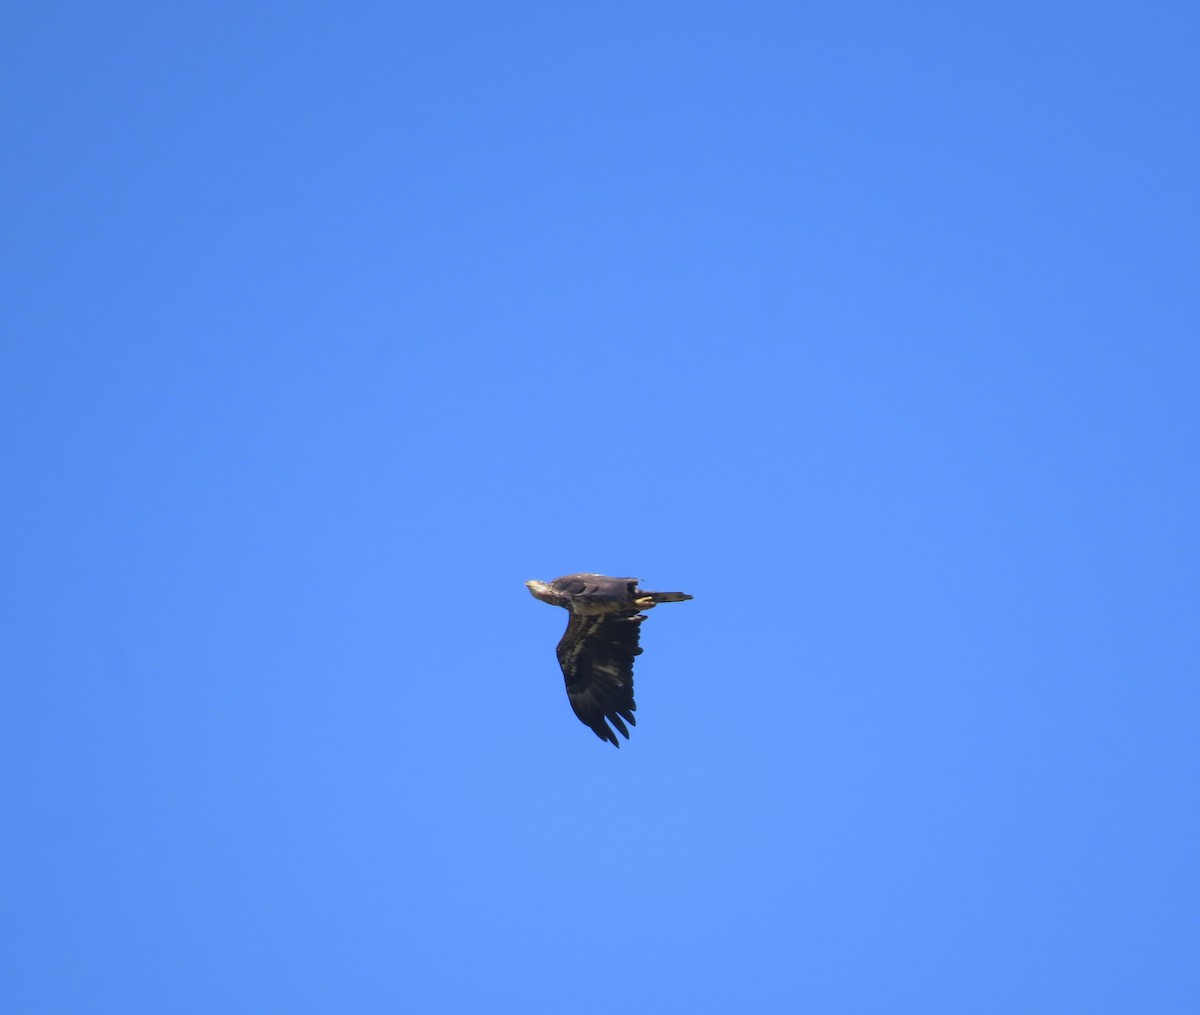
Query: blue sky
[{"x": 872, "y": 326}]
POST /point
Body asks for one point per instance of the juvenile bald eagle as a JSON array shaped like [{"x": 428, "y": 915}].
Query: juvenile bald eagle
[{"x": 596, "y": 654}]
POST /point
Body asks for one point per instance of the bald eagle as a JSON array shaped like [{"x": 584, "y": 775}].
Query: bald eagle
[{"x": 596, "y": 653}]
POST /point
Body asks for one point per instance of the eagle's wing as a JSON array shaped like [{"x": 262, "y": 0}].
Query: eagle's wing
[
  {"x": 597, "y": 588},
  {"x": 596, "y": 656}
]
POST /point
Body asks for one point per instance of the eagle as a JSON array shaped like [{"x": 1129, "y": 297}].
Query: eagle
[{"x": 596, "y": 652}]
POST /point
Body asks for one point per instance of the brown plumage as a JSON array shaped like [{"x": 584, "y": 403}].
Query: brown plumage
[{"x": 597, "y": 651}]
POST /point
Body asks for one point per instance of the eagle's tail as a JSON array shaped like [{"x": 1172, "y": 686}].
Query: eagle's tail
[{"x": 667, "y": 597}]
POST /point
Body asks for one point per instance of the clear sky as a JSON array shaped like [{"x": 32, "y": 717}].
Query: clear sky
[{"x": 872, "y": 326}]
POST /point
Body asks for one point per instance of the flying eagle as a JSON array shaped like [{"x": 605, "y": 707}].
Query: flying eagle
[{"x": 596, "y": 653}]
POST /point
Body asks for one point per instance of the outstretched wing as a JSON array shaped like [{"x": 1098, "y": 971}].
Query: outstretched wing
[
  {"x": 597, "y": 588},
  {"x": 596, "y": 655}
]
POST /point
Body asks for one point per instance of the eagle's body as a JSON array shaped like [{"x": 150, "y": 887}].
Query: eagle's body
[{"x": 596, "y": 653}]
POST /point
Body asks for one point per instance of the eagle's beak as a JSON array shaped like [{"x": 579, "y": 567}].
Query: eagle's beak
[{"x": 536, "y": 588}]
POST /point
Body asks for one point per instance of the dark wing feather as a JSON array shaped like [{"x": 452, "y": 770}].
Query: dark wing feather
[
  {"x": 596, "y": 655},
  {"x": 596, "y": 588}
]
